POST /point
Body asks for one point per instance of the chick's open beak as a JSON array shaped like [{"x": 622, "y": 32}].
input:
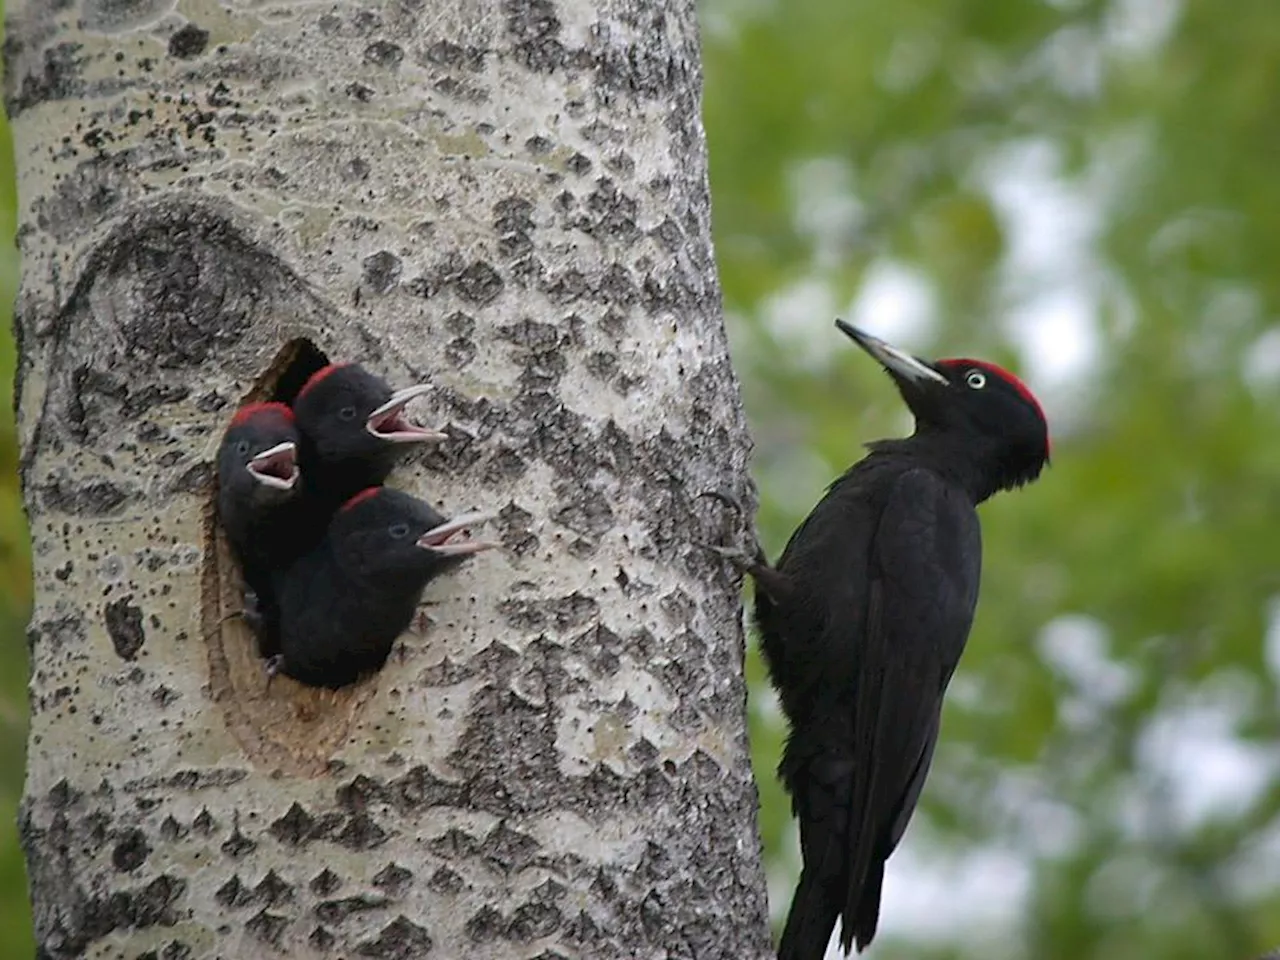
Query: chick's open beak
[
  {"x": 437, "y": 538},
  {"x": 278, "y": 467},
  {"x": 389, "y": 422}
]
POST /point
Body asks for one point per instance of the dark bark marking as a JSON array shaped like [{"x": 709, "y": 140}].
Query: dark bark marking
[
  {"x": 394, "y": 879},
  {"x": 401, "y": 939},
  {"x": 335, "y": 912},
  {"x": 384, "y": 53},
  {"x": 234, "y": 894},
  {"x": 267, "y": 928},
  {"x": 85, "y": 498},
  {"x": 124, "y": 625},
  {"x": 325, "y": 882},
  {"x": 188, "y": 42},
  {"x": 381, "y": 271},
  {"x": 535, "y": 28},
  {"x": 272, "y": 890},
  {"x": 445, "y": 881},
  {"x": 130, "y": 851},
  {"x": 59, "y": 77}
]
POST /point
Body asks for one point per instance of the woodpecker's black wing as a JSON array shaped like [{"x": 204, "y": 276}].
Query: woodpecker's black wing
[
  {"x": 926, "y": 562},
  {"x": 857, "y": 765},
  {"x": 816, "y": 590}
]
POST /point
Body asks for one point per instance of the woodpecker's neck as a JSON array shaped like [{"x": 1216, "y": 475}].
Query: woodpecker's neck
[
  {"x": 340, "y": 478},
  {"x": 973, "y": 464}
]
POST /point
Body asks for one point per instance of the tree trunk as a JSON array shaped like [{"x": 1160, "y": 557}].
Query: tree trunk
[{"x": 507, "y": 198}]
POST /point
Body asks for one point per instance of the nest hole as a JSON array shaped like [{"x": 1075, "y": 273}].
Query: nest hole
[
  {"x": 293, "y": 366},
  {"x": 285, "y": 725}
]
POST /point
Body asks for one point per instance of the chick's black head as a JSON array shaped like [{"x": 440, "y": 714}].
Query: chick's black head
[
  {"x": 258, "y": 457},
  {"x": 391, "y": 540},
  {"x": 349, "y": 413}
]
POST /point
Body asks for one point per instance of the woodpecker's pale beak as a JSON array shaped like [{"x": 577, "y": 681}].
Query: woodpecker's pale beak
[
  {"x": 437, "y": 538},
  {"x": 388, "y": 422},
  {"x": 897, "y": 362},
  {"x": 278, "y": 467}
]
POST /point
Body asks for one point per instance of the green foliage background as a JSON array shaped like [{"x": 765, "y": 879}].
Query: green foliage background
[
  {"x": 1158, "y": 519},
  {"x": 15, "y": 598}
]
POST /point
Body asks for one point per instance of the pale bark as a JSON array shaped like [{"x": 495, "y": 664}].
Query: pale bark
[{"x": 509, "y": 198}]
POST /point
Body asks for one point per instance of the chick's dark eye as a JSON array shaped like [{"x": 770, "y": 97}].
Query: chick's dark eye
[
  {"x": 242, "y": 447},
  {"x": 398, "y": 531},
  {"x": 976, "y": 379},
  {"x": 347, "y": 413}
]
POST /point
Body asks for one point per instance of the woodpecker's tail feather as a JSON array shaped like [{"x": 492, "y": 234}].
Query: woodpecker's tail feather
[
  {"x": 863, "y": 927},
  {"x": 810, "y": 921},
  {"x": 819, "y": 781},
  {"x": 814, "y": 913}
]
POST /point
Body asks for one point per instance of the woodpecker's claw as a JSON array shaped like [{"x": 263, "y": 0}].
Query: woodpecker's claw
[
  {"x": 252, "y": 610},
  {"x": 748, "y": 555},
  {"x": 271, "y": 666},
  {"x": 731, "y": 502},
  {"x": 249, "y": 614},
  {"x": 745, "y": 558},
  {"x": 749, "y": 558}
]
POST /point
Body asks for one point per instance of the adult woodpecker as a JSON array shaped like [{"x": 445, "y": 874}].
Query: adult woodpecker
[
  {"x": 343, "y": 604},
  {"x": 353, "y": 429},
  {"x": 258, "y": 481},
  {"x": 865, "y": 615}
]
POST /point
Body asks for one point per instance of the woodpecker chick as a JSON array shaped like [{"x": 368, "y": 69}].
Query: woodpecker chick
[
  {"x": 258, "y": 496},
  {"x": 344, "y": 603},
  {"x": 354, "y": 428},
  {"x": 863, "y": 620}
]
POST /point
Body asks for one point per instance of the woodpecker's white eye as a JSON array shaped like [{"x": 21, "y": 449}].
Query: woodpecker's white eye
[
  {"x": 347, "y": 413},
  {"x": 398, "y": 531},
  {"x": 976, "y": 379}
]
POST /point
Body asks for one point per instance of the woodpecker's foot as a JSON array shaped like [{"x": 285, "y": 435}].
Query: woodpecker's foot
[
  {"x": 253, "y": 619},
  {"x": 732, "y": 502},
  {"x": 271, "y": 666},
  {"x": 252, "y": 610},
  {"x": 746, "y": 554}
]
